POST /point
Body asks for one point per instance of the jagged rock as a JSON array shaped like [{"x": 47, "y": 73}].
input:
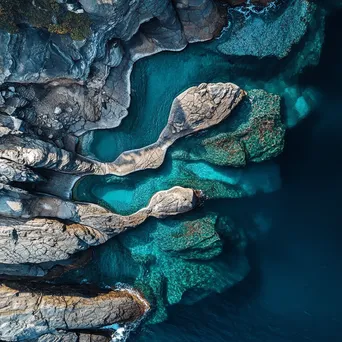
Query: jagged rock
[
  {"x": 201, "y": 19},
  {"x": 12, "y": 123},
  {"x": 196, "y": 109},
  {"x": 73, "y": 337},
  {"x": 31, "y": 311},
  {"x": 146, "y": 27},
  {"x": 13, "y": 172}
]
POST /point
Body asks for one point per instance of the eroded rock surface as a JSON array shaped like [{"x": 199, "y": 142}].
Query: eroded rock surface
[
  {"x": 254, "y": 133},
  {"x": 77, "y": 71},
  {"x": 73, "y": 337},
  {"x": 28, "y": 312},
  {"x": 196, "y": 109},
  {"x": 27, "y": 237}
]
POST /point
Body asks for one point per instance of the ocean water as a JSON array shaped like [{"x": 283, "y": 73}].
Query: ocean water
[{"x": 292, "y": 292}]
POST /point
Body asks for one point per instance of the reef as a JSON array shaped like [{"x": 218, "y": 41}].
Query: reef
[
  {"x": 65, "y": 73},
  {"x": 255, "y": 133}
]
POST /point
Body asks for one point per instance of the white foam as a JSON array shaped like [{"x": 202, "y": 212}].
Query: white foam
[
  {"x": 249, "y": 8},
  {"x": 122, "y": 332}
]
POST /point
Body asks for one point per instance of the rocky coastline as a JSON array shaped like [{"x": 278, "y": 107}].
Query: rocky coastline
[{"x": 54, "y": 88}]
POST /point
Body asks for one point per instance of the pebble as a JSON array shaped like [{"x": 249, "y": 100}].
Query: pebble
[{"x": 58, "y": 110}]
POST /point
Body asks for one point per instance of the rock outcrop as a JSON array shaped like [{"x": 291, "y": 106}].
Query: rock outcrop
[
  {"x": 74, "y": 337},
  {"x": 78, "y": 93},
  {"x": 55, "y": 87},
  {"x": 177, "y": 260},
  {"x": 30, "y": 311},
  {"x": 28, "y": 237},
  {"x": 196, "y": 109},
  {"x": 254, "y": 133}
]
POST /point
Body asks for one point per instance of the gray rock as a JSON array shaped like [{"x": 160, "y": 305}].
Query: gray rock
[
  {"x": 28, "y": 150},
  {"x": 196, "y": 109}
]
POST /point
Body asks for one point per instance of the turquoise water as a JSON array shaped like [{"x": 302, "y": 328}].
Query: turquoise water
[
  {"x": 157, "y": 80},
  {"x": 283, "y": 210},
  {"x": 126, "y": 195}
]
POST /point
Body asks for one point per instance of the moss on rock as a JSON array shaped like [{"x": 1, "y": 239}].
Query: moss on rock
[{"x": 45, "y": 14}]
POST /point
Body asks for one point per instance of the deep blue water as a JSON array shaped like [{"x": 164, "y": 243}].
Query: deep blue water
[{"x": 293, "y": 292}]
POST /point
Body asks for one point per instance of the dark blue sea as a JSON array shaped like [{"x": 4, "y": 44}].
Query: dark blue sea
[{"x": 293, "y": 292}]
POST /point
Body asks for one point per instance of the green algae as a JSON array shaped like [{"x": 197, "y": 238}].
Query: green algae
[
  {"x": 47, "y": 14},
  {"x": 172, "y": 261},
  {"x": 253, "y": 133}
]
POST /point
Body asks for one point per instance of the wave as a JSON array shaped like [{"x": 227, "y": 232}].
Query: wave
[
  {"x": 122, "y": 332},
  {"x": 249, "y": 8}
]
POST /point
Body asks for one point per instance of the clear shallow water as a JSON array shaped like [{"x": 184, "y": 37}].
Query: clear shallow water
[{"x": 293, "y": 291}]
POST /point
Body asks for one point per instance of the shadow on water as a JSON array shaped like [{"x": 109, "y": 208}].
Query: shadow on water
[{"x": 293, "y": 292}]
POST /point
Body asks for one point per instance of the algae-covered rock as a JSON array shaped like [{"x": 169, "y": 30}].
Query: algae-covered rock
[
  {"x": 195, "y": 239},
  {"x": 174, "y": 261},
  {"x": 254, "y": 133},
  {"x": 187, "y": 266},
  {"x": 261, "y": 37}
]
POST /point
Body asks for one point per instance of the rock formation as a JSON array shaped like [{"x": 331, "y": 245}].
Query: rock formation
[
  {"x": 73, "y": 337},
  {"x": 120, "y": 35},
  {"x": 65, "y": 70},
  {"x": 28, "y": 237},
  {"x": 30, "y": 311},
  {"x": 198, "y": 108},
  {"x": 254, "y": 133}
]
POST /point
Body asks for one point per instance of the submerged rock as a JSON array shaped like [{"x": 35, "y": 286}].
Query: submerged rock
[
  {"x": 254, "y": 133},
  {"x": 176, "y": 261},
  {"x": 60, "y": 88}
]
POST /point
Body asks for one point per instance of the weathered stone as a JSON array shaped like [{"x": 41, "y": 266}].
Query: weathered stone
[
  {"x": 30, "y": 311},
  {"x": 27, "y": 239},
  {"x": 196, "y": 109},
  {"x": 27, "y": 150},
  {"x": 254, "y": 133}
]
